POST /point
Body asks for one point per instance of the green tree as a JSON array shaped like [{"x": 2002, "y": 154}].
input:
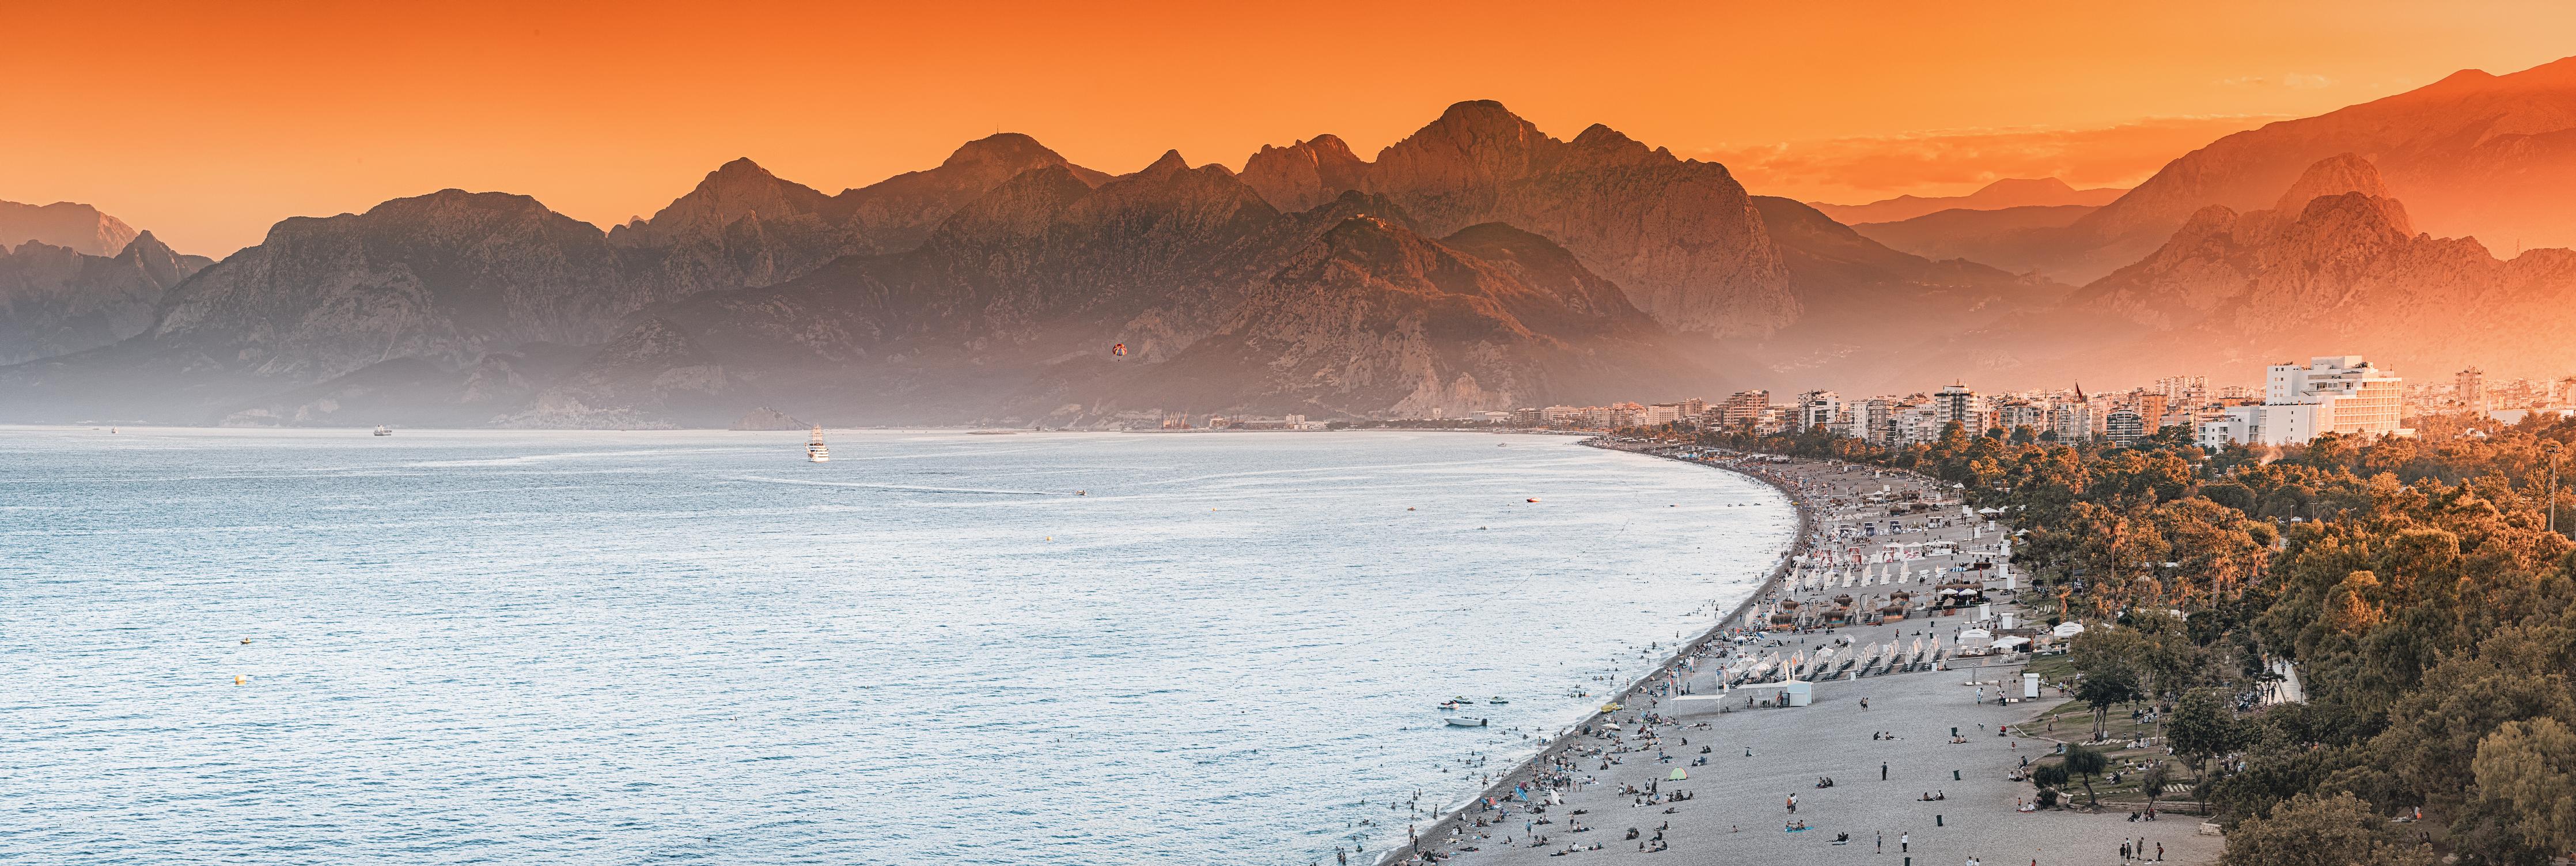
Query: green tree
[
  {"x": 2048, "y": 775},
  {"x": 2152, "y": 783},
  {"x": 2530, "y": 768},
  {"x": 2313, "y": 830},
  {"x": 2106, "y": 684},
  {"x": 2202, "y": 727},
  {"x": 2086, "y": 763}
]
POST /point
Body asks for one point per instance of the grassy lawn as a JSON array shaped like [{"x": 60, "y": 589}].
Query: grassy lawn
[{"x": 2072, "y": 722}]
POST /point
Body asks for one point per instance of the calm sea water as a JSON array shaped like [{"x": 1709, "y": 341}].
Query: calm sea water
[{"x": 695, "y": 647}]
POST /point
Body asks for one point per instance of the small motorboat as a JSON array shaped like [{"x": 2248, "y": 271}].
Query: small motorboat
[
  {"x": 1464, "y": 722},
  {"x": 1498, "y": 700}
]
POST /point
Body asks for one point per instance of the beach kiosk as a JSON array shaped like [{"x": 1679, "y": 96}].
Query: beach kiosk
[
  {"x": 1799, "y": 692},
  {"x": 1976, "y": 641}
]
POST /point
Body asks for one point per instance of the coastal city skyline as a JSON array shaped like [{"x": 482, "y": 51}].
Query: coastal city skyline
[{"x": 2327, "y": 394}]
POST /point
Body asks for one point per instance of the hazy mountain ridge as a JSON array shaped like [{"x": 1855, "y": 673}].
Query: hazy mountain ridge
[
  {"x": 1680, "y": 235},
  {"x": 1375, "y": 317},
  {"x": 2474, "y": 155},
  {"x": 77, "y": 227},
  {"x": 2335, "y": 263},
  {"x": 57, "y": 300},
  {"x": 1999, "y": 195}
]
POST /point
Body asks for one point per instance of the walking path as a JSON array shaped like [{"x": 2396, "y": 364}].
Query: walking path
[{"x": 1703, "y": 776}]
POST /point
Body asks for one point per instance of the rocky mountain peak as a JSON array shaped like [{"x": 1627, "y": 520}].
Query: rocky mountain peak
[
  {"x": 2350, "y": 216},
  {"x": 1599, "y": 145},
  {"x": 1304, "y": 174},
  {"x": 63, "y": 224},
  {"x": 1473, "y": 142},
  {"x": 1169, "y": 163},
  {"x": 734, "y": 190},
  {"x": 1006, "y": 150},
  {"x": 2333, "y": 175}
]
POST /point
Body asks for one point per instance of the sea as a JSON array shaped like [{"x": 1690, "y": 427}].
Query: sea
[{"x": 322, "y": 646}]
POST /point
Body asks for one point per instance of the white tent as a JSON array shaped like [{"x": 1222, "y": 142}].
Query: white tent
[{"x": 2067, "y": 629}]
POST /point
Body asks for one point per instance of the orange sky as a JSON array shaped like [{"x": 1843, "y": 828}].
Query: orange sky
[{"x": 208, "y": 122}]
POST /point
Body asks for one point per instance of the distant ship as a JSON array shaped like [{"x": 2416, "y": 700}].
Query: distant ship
[
  {"x": 382, "y": 430},
  {"x": 815, "y": 452}
]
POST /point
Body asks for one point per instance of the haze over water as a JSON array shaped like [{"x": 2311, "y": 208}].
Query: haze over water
[{"x": 695, "y": 647}]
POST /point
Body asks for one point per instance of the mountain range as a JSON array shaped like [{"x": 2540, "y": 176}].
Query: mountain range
[
  {"x": 76, "y": 227},
  {"x": 56, "y": 300},
  {"x": 1999, "y": 195},
  {"x": 2335, "y": 263},
  {"x": 1475, "y": 264},
  {"x": 2476, "y": 155}
]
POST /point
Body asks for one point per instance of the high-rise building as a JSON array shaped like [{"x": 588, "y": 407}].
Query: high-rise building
[
  {"x": 2329, "y": 394},
  {"x": 2071, "y": 420},
  {"x": 2124, "y": 427},
  {"x": 2022, "y": 413},
  {"x": 1816, "y": 409},
  {"x": 1874, "y": 420},
  {"x": 1917, "y": 420},
  {"x": 2183, "y": 390},
  {"x": 2472, "y": 389},
  {"x": 1956, "y": 403},
  {"x": 1745, "y": 407},
  {"x": 2150, "y": 408}
]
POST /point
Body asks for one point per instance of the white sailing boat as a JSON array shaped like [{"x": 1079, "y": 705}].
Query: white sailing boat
[
  {"x": 815, "y": 452},
  {"x": 382, "y": 430}
]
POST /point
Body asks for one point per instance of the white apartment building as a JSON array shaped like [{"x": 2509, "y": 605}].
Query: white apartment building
[
  {"x": 2018, "y": 414},
  {"x": 2072, "y": 420},
  {"x": 1816, "y": 409},
  {"x": 2329, "y": 394},
  {"x": 1917, "y": 422},
  {"x": 1874, "y": 420}
]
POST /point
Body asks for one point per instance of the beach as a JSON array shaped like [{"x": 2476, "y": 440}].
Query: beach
[{"x": 1936, "y": 731}]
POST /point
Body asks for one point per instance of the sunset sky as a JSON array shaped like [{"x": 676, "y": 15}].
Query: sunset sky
[{"x": 208, "y": 122}]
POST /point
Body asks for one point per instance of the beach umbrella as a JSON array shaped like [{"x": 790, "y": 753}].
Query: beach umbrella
[{"x": 1678, "y": 775}]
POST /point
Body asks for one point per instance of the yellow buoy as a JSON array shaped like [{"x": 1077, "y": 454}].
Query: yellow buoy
[{"x": 238, "y": 679}]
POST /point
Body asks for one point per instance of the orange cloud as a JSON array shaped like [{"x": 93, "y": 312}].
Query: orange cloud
[{"x": 1858, "y": 169}]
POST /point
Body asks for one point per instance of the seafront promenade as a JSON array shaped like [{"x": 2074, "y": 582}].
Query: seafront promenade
[{"x": 1704, "y": 774}]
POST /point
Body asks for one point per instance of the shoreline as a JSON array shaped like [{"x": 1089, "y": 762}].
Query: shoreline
[{"x": 1456, "y": 815}]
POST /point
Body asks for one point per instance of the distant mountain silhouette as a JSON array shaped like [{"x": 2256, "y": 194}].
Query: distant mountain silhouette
[
  {"x": 2473, "y": 155},
  {"x": 76, "y": 227},
  {"x": 2006, "y": 193},
  {"x": 2333, "y": 265},
  {"x": 57, "y": 300}
]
